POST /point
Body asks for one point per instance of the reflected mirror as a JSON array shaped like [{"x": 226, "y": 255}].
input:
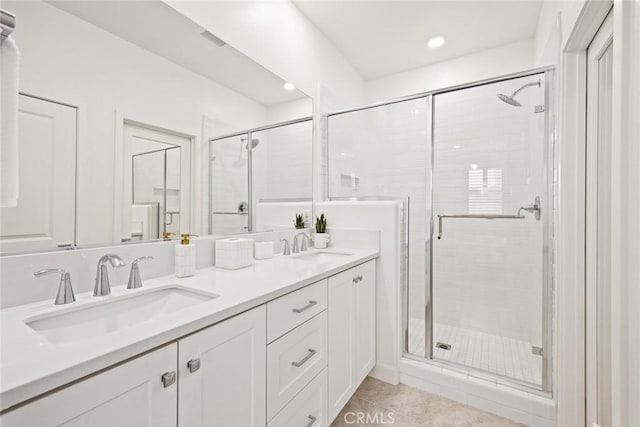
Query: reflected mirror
[{"x": 128, "y": 130}]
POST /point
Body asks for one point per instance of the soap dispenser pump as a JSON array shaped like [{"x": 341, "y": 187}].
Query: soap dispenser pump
[{"x": 185, "y": 265}]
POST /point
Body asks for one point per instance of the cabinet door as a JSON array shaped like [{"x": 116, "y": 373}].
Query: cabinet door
[
  {"x": 131, "y": 394},
  {"x": 223, "y": 373},
  {"x": 364, "y": 320},
  {"x": 341, "y": 338}
]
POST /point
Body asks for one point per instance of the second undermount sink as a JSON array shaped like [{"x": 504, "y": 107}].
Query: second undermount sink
[
  {"x": 321, "y": 256},
  {"x": 114, "y": 313}
]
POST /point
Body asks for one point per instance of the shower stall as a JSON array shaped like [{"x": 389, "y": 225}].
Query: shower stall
[{"x": 476, "y": 165}]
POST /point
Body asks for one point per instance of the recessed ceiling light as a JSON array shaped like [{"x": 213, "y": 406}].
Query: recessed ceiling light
[
  {"x": 474, "y": 166},
  {"x": 435, "y": 42},
  {"x": 289, "y": 86},
  {"x": 457, "y": 146}
]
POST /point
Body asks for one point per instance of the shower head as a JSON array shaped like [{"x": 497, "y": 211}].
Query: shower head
[
  {"x": 254, "y": 143},
  {"x": 511, "y": 99}
]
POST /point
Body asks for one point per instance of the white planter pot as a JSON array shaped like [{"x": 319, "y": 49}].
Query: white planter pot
[{"x": 320, "y": 240}]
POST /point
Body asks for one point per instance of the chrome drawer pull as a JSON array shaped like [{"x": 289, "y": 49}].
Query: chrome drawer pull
[
  {"x": 306, "y": 307},
  {"x": 304, "y": 360},
  {"x": 193, "y": 365},
  {"x": 312, "y": 420},
  {"x": 168, "y": 378},
  {"x": 357, "y": 279}
]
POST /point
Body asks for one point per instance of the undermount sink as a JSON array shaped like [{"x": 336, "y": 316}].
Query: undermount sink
[
  {"x": 321, "y": 256},
  {"x": 110, "y": 315}
]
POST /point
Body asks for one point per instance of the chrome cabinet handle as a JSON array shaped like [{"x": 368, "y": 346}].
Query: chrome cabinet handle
[
  {"x": 357, "y": 279},
  {"x": 193, "y": 365},
  {"x": 304, "y": 359},
  {"x": 168, "y": 378},
  {"x": 312, "y": 420},
  {"x": 306, "y": 307}
]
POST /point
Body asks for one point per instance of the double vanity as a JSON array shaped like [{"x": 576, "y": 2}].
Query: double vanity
[{"x": 283, "y": 342}]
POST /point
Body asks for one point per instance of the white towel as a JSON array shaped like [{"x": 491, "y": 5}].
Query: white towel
[{"x": 9, "y": 69}]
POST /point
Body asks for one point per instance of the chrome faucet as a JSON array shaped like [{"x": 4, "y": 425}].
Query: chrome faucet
[
  {"x": 135, "y": 281},
  {"x": 303, "y": 245},
  {"x": 286, "y": 250},
  {"x": 102, "y": 286},
  {"x": 65, "y": 291}
]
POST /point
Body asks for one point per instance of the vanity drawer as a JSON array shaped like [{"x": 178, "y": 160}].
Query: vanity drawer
[
  {"x": 291, "y": 310},
  {"x": 293, "y": 360},
  {"x": 308, "y": 408}
]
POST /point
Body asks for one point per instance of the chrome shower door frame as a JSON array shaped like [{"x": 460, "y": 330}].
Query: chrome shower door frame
[{"x": 546, "y": 387}]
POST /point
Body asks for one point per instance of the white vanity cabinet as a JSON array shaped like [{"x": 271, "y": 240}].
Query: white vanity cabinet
[
  {"x": 222, "y": 372},
  {"x": 352, "y": 332},
  {"x": 130, "y": 394}
]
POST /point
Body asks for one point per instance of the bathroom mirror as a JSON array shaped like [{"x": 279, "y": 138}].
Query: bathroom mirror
[{"x": 119, "y": 104}]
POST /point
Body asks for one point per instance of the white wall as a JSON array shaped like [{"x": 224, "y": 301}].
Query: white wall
[
  {"x": 68, "y": 60},
  {"x": 555, "y": 23},
  {"x": 280, "y": 38},
  {"x": 489, "y": 63}
]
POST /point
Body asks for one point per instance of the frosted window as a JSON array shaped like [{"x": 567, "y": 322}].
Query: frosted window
[{"x": 485, "y": 191}]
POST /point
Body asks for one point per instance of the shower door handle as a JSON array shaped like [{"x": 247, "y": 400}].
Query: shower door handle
[{"x": 474, "y": 216}]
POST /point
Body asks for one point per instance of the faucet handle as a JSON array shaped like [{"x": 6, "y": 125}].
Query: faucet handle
[
  {"x": 65, "y": 290},
  {"x": 286, "y": 251},
  {"x": 135, "y": 281}
]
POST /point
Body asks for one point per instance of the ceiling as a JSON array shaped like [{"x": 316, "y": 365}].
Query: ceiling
[
  {"x": 158, "y": 28},
  {"x": 385, "y": 37}
]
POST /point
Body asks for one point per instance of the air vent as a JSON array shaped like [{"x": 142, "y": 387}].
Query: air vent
[{"x": 213, "y": 39}]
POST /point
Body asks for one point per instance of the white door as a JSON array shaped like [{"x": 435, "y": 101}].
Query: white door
[
  {"x": 131, "y": 394},
  {"x": 45, "y": 215},
  {"x": 364, "y": 352},
  {"x": 223, "y": 373},
  {"x": 163, "y": 159},
  {"x": 341, "y": 341},
  {"x": 598, "y": 232}
]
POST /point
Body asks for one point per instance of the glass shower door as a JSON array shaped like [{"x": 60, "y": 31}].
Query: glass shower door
[{"x": 491, "y": 195}]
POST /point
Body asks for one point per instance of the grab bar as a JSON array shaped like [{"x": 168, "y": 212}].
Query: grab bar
[{"x": 476, "y": 216}]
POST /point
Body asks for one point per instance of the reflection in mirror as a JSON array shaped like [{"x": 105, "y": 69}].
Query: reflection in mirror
[
  {"x": 100, "y": 77},
  {"x": 263, "y": 184}
]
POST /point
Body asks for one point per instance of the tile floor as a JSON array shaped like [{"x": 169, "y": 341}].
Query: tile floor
[
  {"x": 493, "y": 353},
  {"x": 383, "y": 404}
]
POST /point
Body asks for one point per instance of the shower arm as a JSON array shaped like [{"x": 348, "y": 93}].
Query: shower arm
[{"x": 526, "y": 86}]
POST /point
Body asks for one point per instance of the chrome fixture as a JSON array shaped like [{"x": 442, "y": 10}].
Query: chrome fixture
[
  {"x": 302, "y": 361},
  {"x": 286, "y": 250},
  {"x": 510, "y": 99},
  {"x": 533, "y": 208},
  {"x": 306, "y": 307},
  {"x": 254, "y": 143},
  {"x": 135, "y": 281},
  {"x": 65, "y": 290},
  {"x": 102, "y": 286},
  {"x": 7, "y": 24},
  {"x": 303, "y": 245},
  {"x": 479, "y": 216}
]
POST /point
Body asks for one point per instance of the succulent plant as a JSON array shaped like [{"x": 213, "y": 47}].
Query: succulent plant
[
  {"x": 321, "y": 224},
  {"x": 299, "y": 221}
]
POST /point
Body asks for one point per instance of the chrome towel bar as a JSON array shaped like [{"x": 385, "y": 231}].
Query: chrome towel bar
[{"x": 476, "y": 216}]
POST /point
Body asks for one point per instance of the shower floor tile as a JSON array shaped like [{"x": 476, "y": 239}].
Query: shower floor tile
[{"x": 493, "y": 353}]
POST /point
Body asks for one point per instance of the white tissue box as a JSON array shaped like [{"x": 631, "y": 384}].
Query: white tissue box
[
  {"x": 234, "y": 253},
  {"x": 263, "y": 250}
]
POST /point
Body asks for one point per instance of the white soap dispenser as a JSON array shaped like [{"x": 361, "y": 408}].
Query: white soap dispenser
[{"x": 185, "y": 257}]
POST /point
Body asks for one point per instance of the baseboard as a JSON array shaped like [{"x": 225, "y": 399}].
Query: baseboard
[{"x": 386, "y": 373}]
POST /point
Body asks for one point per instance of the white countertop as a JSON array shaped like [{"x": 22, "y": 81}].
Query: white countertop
[{"x": 30, "y": 365}]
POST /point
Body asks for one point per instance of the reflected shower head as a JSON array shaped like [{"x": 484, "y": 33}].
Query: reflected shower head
[
  {"x": 511, "y": 99},
  {"x": 254, "y": 143}
]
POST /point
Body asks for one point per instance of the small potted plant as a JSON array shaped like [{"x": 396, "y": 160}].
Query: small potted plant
[
  {"x": 321, "y": 238},
  {"x": 299, "y": 221}
]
